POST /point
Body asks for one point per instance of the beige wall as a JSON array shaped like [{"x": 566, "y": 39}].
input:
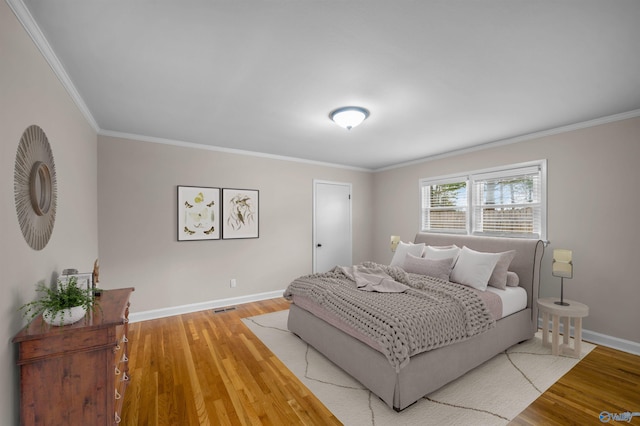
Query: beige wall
[
  {"x": 592, "y": 208},
  {"x": 137, "y": 222},
  {"x": 30, "y": 94}
]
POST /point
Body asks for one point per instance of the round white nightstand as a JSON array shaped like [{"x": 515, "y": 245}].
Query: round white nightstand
[{"x": 574, "y": 310}]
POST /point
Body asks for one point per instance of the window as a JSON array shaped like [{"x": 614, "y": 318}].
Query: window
[
  {"x": 509, "y": 201},
  {"x": 445, "y": 206}
]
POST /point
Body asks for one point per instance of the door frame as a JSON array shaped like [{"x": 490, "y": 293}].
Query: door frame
[{"x": 313, "y": 214}]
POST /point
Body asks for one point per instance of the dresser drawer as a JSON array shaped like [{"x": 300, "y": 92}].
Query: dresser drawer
[{"x": 60, "y": 343}]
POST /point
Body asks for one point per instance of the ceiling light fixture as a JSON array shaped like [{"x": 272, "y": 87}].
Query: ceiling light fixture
[{"x": 349, "y": 117}]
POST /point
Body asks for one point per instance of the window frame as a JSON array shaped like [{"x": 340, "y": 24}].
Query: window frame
[
  {"x": 470, "y": 178},
  {"x": 445, "y": 180}
]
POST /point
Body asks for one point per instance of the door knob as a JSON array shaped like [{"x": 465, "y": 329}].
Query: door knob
[{"x": 319, "y": 245}]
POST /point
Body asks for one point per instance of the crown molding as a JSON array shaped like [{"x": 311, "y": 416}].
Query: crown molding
[
  {"x": 536, "y": 135},
  {"x": 193, "y": 145},
  {"x": 21, "y": 12}
]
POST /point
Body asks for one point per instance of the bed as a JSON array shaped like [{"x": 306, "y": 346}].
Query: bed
[{"x": 427, "y": 371}]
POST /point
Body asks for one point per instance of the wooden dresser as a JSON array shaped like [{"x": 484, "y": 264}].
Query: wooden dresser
[{"x": 76, "y": 374}]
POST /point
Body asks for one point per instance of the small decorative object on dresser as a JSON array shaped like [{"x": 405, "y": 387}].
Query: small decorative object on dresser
[
  {"x": 96, "y": 277},
  {"x": 65, "y": 304},
  {"x": 77, "y": 374}
]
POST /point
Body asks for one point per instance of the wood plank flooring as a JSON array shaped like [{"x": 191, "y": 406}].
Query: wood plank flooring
[
  {"x": 605, "y": 380},
  {"x": 209, "y": 369}
]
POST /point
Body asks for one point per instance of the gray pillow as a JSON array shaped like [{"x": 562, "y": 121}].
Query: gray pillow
[
  {"x": 498, "y": 278},
  {"x": 440, "y": 268},
  {"x": 513, "y": 280}
]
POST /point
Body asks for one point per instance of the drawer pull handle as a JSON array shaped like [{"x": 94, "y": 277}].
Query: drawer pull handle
[
  {"x": 125, "y": 378},
  {"x": 124, "y": 339},
  {"x": 118, "y": 419},
  {"x": 124, "y": 358},
  {"x": 126, "y": 320},
  {"x": 117, "y": 347},
  {"x": 118, "y": 396},
  {"x": 117, "y": 371}
]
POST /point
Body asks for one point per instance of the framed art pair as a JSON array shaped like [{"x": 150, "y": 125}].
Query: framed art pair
[{"x": 214, "y": 213}]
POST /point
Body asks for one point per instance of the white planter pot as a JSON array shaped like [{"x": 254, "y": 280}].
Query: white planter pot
[{"x": 65, "y": 317}]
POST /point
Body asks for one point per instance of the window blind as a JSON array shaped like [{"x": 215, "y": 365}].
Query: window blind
[
  {"x": 508, "y": 202},
  {"x": 445, "y": 205}
]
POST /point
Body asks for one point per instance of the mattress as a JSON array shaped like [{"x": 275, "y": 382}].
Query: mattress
[{"x": 514, "y": 299}]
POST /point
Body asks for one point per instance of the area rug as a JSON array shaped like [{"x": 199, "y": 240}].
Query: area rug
[{"x": 492, "y": 394}]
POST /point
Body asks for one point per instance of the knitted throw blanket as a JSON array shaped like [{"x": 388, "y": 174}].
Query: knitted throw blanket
[{"x": 430, "y": 314}]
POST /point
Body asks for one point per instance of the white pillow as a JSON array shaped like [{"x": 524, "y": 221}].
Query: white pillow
[
  {"x": 474, "y": 268},
  {"x": 437, "y": 253},
  {"x": 403, "y": 249}
]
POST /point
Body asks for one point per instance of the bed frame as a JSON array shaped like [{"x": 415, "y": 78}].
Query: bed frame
[{"x": 431, "y": 370}]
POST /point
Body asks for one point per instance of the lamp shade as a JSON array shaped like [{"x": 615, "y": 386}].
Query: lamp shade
[
  {"x": 562, "y": 263},
  {"x": 395, "y": 240},
  {"x": 349, "y": 117}
]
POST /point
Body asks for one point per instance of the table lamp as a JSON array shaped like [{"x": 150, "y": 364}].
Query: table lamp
[
  {"x": 562, "y": 267},
  {"x": 395, "y": 240}
]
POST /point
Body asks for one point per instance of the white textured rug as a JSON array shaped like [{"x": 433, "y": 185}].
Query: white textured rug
[{"x": 491, "y": 394}]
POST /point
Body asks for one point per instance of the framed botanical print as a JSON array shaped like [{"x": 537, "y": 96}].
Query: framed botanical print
[
  {"x": 240, "y": 213},
  {"x": 198, "y": 213}
]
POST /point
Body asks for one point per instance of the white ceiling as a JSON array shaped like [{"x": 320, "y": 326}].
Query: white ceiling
[{"x": 263, "y": 75}]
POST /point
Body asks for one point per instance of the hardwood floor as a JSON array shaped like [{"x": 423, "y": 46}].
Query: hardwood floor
[
  {"x": 605, "y": 380},
  {"x": 208, "y": 369}
]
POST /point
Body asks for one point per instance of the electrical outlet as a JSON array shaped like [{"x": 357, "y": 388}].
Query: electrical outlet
[{"x": 232, "y": 283}]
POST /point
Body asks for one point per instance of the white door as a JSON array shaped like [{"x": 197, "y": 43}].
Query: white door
[{"x": 331, "y": 225}]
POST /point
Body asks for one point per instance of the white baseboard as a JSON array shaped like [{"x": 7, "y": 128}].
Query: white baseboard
[
  {"x": 603, "y": 339},
  {"x": 202, "y": 306}
]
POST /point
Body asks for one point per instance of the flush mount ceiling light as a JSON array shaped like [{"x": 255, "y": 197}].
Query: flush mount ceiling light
[{"x": 349, "y": 117}]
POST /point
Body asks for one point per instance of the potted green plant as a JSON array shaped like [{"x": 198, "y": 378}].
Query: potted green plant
[{"x": 64, "y": 304}]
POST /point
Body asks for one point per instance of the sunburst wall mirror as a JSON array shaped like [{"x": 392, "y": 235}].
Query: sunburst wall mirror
[{"x": 35, "y": 187}]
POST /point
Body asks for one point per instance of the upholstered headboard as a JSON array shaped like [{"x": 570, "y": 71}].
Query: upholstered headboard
[{"x": 526, "y": 262}]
